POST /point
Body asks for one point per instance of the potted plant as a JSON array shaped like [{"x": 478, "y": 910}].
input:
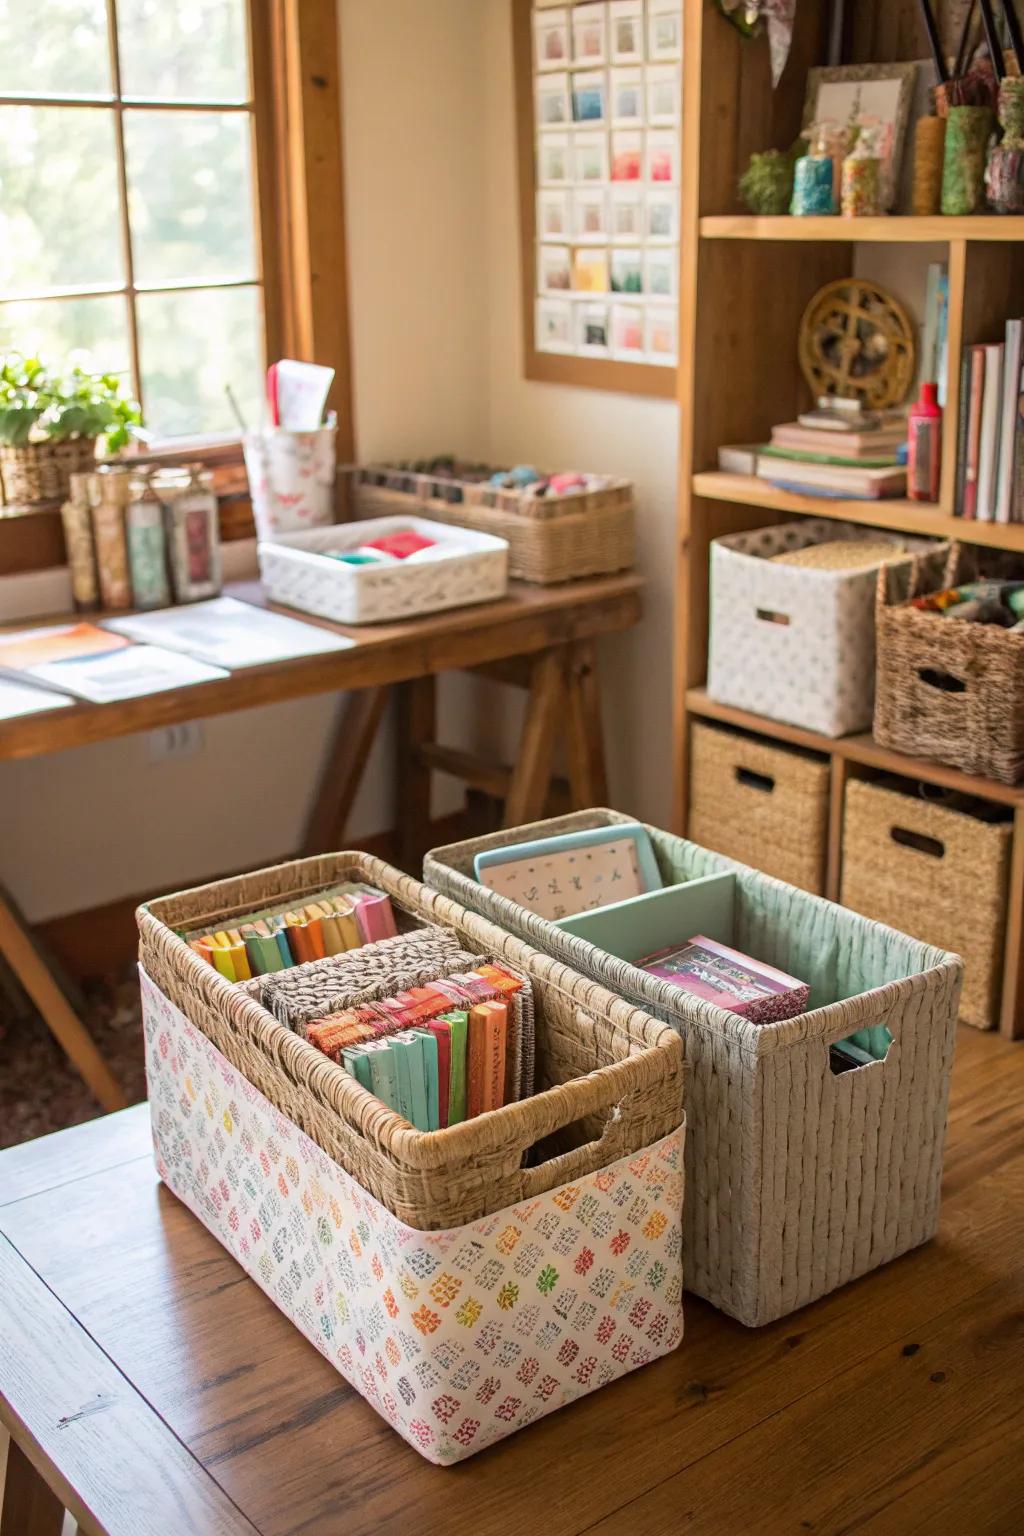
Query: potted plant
[{"x": 51, "y": 422}]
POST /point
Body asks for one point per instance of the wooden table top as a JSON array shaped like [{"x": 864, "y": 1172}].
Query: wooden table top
[
  {"x": 529, "y": 619},
  {"x": 162, "y": 1394}
]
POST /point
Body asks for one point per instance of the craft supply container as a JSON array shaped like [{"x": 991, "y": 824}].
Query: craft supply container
[
  {"x": 963, "y": 163},
  {"x": 76, "y": 516},
  {"x": 298, "y": 570},
  {"x": 763, "y": 804},
  {"x": 936, "y": 870},
  {"x": 550, "y": 538},
  {"x": 464, "y": 1291},
  {"x": 291, "y": 478},
  {"x": 109, "y": 494},
  {"x": 791, "y": 642},
  {"x": 798, "y": 1179},
  {"x": 948, "y": 689},
  {"x": 193, "y": 532}
]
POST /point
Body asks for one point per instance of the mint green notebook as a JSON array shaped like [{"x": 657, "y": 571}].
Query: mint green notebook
[
  {"x": 356, "y": 1059},
  {"x": 383, "y": 1081},
  {"x": 428, "y": 1044},
  {"x": 459, "y": 1021},
  {"x": 408, "y": 1051},
  {"x": 404, "y": 1070}
]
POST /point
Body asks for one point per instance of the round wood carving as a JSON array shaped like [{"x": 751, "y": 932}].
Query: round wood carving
[{"x": 857, "y": 341}]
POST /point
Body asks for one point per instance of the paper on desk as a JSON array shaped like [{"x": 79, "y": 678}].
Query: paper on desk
[
  {"x": 20, "y": 699},
  {"x": 131, "y": 673},
  {"x": 227, "y": 633}
]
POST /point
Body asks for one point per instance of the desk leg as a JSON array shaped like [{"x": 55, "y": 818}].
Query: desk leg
[
  {"x": 417, "y": 728},
  {"x": 29, "y": 1506},
  {"x": 531, "y": 776},
  {"x": 342, "y": 774},
  {"x": 588, "y": 777},
  {"x": 20, "y": 951}
]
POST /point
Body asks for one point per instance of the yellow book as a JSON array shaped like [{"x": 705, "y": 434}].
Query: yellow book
[
  {"x": 220, "y": 948},
  {"x": 347, "y": 925},
  {"x": 239, "y": 955}
]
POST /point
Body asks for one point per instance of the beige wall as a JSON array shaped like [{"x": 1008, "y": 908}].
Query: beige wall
[{"x": 433, "y": 250}]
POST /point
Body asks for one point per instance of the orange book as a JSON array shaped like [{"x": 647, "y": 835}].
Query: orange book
[
  {"x": 203, "y": 948},
  {"x": 477, "y": 1067},
  {"x": 314, "y": 931},
  {"x": 299, "y": 941},
  {"x": 495, "y": 1030}
]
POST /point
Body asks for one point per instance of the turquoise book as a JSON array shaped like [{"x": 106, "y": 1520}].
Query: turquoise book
[
  {"x": 382, "y": 1076},
  {"x": 407, "y": 1062},
  {"x": 428, "y": 1045},
  {"x": 408, "y": 1047},
  {"x": 459, "y": 1021},
  {"x": 357, "y": 1061}
]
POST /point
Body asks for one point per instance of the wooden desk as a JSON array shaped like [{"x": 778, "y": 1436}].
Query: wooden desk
[
  {"x": 154, "y": 1387},
  {"x": 540, "y": 638}
]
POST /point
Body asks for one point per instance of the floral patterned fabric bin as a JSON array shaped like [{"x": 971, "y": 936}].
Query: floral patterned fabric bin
[{"x": 457, "y": 1338}]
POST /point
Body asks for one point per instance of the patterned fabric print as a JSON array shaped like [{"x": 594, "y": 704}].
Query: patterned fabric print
[{"x": 457, "y": 1338}]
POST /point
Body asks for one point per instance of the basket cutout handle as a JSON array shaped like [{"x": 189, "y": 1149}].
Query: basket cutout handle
[
  {"x": 771, "y": 616},
  {"x": 613, "y": 1143},
  {"x": 946, "y": 682},
  {"x": 750, "y": 779},
  {"x": 908, "y": 838}
]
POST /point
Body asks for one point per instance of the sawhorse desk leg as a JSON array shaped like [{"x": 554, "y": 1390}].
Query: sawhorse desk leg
[{"x": 21, "y": 952}]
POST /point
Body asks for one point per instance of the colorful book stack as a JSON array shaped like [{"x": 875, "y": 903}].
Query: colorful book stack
[
  {"x": 436, "y": 1054},
  {"x": 838, "y": 451},
  {"x": 342, "y": 918},
  {"x": 990, "y": 438}
]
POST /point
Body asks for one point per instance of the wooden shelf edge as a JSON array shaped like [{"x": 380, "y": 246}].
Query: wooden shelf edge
[
  {"x": 911, "y": 517},
  {"x": 861, "y": 749},
  {"x": 888, "y": 230}
]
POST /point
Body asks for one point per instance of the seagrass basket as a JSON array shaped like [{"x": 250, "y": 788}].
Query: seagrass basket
[
  {"x": 912, "y": 861},
  {"x": 550, "y": 539},
  {"x": 946, "y": 688},
  {"x": 762, "y": 804},
  {"x": 41, "y": 472},
  {"x": 609, "y": 1077},
  {"x": 799, "y": 1179}
]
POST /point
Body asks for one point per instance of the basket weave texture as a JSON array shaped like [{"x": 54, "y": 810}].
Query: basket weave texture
[
  {"x": 548, "y": 541},
  {"x": 606, "y": 1071},
  {"x": 798, "y": 1180},
  {"x": 31, "y": 472},
  {"x": 766, "y": 806},
  {"x": 945, "y": 688},
  {"x": 925, "y": 887}
]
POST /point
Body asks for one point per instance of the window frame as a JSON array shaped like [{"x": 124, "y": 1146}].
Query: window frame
[{"x": 301, "y": 259}]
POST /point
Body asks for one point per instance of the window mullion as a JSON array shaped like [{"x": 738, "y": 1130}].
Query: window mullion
[{"x": 122, "y": 177}]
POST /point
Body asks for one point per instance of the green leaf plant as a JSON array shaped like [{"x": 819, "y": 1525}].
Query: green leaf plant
[{"x": 39, "y": 402}]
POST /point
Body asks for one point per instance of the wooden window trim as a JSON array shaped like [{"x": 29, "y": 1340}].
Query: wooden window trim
[{"x": 297, "y": 158}]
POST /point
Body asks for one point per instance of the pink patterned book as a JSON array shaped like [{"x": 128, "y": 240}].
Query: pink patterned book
[{"x": 732, "y": 980}]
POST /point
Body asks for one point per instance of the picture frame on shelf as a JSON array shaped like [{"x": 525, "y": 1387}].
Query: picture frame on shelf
[{"x": 878, "y": 95}]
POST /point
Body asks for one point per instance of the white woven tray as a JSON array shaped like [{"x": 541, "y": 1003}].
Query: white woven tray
[{"x": 464, "y": 567}]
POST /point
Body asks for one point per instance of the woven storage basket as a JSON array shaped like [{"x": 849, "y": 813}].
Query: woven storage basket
[
  {"x": 554, "y": 540},
  {"x": 948, "y": 689},
  {"x": 766, "y": 806},
  {"x": 790, "y": 642},
  {"x": 599, "y": 1061},
  {"x": 940, "y": 873},
  {"x": 799, "y": 1180},
  {"x": 41, "y": 472}
]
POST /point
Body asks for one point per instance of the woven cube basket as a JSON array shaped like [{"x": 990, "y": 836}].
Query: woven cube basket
[
  {"x": 762, "y": 804},
  {"x": 610, "y": 1078},
  {"x": 910, "y": 861},
  {"x": 798, "y": 1179}
]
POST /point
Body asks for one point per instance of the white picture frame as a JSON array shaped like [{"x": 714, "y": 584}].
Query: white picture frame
[
  {"x": 590, "y": 35},
  {"x": 663, "y": 90},
  {"x": 664, "y": 31},
  {"x": 661, "y": 216},
  {"x": 590, "y": 272},
  {"x": 589, "y": 221},
  {"x": 590, "y": 98},
  {"x": 661, "y": 274},
  {"x": 552, "y": 44},
  {"x": 626, "y": 212},
  {"x": 661, "y": 335},
  {"x": 590, "y": 157},
  {"x": 629, "y": 333},
  {"x": 554, "y": 160},
  {"x": 661, "y": 157},
  {"x": 553, "y": 214},
  {"x": 627, "y": 271},
  {"x": 554, "y": 270},
  {"x": 626, "y": 43},
  {"x": 554, "y": 107},
  {"x": 554, "y": 326},
  {"x": 626, "y": 97},
  {"x": 626, "y": 160},
  {"x": 592, "y": 328}
]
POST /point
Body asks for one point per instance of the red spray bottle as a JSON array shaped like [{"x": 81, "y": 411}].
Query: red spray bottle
[{"x": 924, "y": 446}]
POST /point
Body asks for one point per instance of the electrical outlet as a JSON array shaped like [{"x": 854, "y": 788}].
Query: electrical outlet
[{"x": 172, "y": 742}]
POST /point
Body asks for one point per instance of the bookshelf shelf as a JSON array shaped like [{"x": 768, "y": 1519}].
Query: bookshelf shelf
[
  {"x": 861, "y": 749},
  {"x": 903, "y": 516},
  {"x": 887, "y": 230},
  {"x": 744, "y": 284}
]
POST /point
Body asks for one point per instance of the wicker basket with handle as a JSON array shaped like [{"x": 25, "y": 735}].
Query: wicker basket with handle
[
  {"x": 41, "y": 472},
  {"x": 798, "y": 1179},
  {"x": 550, "y": 540},
  {"x": 946, "y": 688},
  {"x": 609, "y": 1077}
]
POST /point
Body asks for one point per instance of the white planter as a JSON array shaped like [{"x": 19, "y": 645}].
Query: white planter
[
  {"x": 461, "y": 568},
  {"x": 790, "y": 642}
]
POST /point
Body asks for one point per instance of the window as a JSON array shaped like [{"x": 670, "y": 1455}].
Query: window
[{"x": 129, "y": 216}]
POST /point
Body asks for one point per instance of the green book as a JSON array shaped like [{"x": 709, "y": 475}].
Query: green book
[
  {"x": 803, "y": 456},
  {"x": 356, "y": 1059},
  {"x": 428, "y": 1045},
  {"x": 401, "y": 1052},
  {"x": 408, "y": 1048},
  {"x": 382, "y": 1075},
  {"x": 459, "y": 1021}
]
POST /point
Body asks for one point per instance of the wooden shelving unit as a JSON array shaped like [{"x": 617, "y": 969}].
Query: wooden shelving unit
[{"x": 744, "y": 283}]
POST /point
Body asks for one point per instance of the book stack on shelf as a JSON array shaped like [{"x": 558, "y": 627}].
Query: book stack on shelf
[
  {"x": 990, "y": 438},
  {"x": 838, "y": 450}
]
